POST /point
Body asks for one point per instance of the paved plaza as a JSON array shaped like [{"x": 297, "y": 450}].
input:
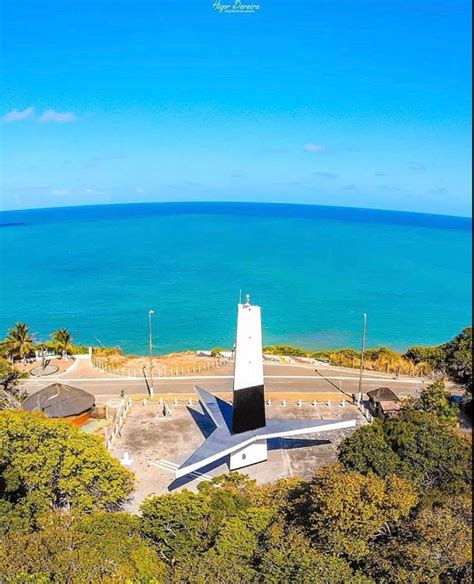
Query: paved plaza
[{"x": 157, "y": 444}]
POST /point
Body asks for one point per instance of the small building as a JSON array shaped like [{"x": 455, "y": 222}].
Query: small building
[
  {"x": 62, "y": 401},
  {"x": 383, "y": 402}
]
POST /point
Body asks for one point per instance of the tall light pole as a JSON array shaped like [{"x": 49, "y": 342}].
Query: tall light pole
[
  {"x": 150, "y": 334},
  {"x": 362, "y": 353}
]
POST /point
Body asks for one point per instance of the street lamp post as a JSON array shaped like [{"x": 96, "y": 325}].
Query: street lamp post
[
  {"x": 362, "y": 354},
  {"x": 150, "y": 333}
]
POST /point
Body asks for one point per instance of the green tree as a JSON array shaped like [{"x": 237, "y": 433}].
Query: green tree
[
  {"x": 347, "y": 510},
  {"x": 435, "y": 399},
  {"x": 216, "y": 351},
  {"x": 56, "y": 466},
  {"x": 19, "y": 342},
  {"x": 433, "y": 545},
  {"x": 232, "y": 555},
  {"x": 186, "y": 524},
  {"x": 177, "y": 524},
  {"x": 63, "y": 341},
  {"x": 287, "y": 555},
  {"x": 368, "y": 450},
  {"x": 417, "y": 445},
  {"x": 434, "y": 356},
  {"x": 100, "y": 548},
  {"x": 459, "y": 358},
  {"x": 286, "y": 350},
  {"x": 11, "y": 395}
]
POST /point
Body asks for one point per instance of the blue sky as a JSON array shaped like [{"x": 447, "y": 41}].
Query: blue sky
[{"x": 355, "y": 103}]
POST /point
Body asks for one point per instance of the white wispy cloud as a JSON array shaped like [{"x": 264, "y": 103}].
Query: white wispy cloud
[
  {"x": 49, "y": 115},
  {"x": 389, "y": 188},
  {"x": 418, "y": 166},
  {"x": 18, "y": 115},
  {"x": 438, "y": 191},
  {"x": 61, "y": 192},
  {"x": 326, "y": 174},
  {"x": 352, "y": 188},
  {"x": 314, "y": 148},
  {"x": 93, "y": 192},
  {"x": 57, "y": 117}
]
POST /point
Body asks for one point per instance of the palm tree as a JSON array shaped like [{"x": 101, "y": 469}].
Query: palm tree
[
  {"x": 63, "y": 340},
  {"x": 19, "y": 342}
]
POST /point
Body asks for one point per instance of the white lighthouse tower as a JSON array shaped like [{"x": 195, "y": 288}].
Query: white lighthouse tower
[{"x": 242, "y": 430}]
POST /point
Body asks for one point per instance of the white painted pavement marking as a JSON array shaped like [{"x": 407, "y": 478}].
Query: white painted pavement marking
[{"x": 171, "y": 466}]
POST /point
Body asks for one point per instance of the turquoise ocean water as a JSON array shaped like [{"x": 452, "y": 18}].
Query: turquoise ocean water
[{"x": 314, "y": 270}]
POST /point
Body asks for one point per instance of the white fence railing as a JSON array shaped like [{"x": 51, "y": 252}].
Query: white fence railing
[
  {"x": 119, "y": 417},
  {"x": 158, "y": 371},
  {"x": 362, "y": 407}
]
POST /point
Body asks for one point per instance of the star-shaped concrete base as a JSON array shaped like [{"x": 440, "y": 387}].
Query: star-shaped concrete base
[{"x": 222, "y": 442}]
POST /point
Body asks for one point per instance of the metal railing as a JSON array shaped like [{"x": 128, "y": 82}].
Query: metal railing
[{"x": 118, "y": 421}]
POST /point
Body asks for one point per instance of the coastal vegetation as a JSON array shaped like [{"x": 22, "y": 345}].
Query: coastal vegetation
[
  {"x": 11, "y": 395},
  {"x": 20, "y": 344},
  {"x": 63, "y": 341},
  {"x": 453, "y": 359},
  {"x": 184, "y": 363},
  {"x": 396, "y": 508}
]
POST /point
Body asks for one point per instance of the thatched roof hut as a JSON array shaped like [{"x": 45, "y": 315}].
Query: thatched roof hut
[
  {"x": 384, "y": 402},
  {"x": 62, "y": 401}
]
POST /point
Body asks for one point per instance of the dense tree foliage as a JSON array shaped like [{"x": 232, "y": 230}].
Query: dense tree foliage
[
  {"x": 459, "y": 358},
  {"x": 434, "y": 544},
  {"x": 359, "y": 508},
  {"x": 11, "y": 394},
  {"x": 433, "y": 356},
  {"x": 434, "y": 399},
  {"x": 64, "y": 547},
  {"x": 53, "y": 465},
  {"x": 287, "y": 350},
  {"x": 417, "y": 445}
]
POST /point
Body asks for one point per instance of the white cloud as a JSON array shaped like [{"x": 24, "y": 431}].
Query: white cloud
[
  {"x": 352, "y": 188},
  {"x": 314, "y": 148},
  {"x": 60, "y": 192},
  {"x": 57, "y": 117},
  {"x": 326, "y": 174},
  {"x": 438, "y": 191},
  {"x": 418, "y": 166},
  {"x": 93, "y": 192},
  {"x": 49, "y": 115},
  {"x": 18, "y": 115}
]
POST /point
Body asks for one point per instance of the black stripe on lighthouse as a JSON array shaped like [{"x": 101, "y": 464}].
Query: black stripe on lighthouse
[{"x": 248, "y": 412}]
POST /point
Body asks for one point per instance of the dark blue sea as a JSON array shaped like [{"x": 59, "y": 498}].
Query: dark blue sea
[{"x": 314, "y": 270}]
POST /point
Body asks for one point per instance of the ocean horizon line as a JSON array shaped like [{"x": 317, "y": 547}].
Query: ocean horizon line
[{"x": 191, "y": 206}]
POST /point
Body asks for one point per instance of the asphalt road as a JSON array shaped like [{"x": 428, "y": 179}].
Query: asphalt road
[{"x": 278, "y": 378}]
